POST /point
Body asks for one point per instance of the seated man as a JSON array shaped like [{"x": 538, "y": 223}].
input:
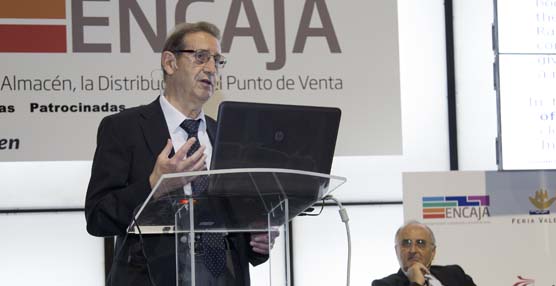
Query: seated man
[{"x": 415, "y": 248}]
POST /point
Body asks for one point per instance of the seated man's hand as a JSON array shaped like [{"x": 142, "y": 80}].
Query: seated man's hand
[
  {"x": 416, "y": 273},
  {"x": 261, "y": 243}
]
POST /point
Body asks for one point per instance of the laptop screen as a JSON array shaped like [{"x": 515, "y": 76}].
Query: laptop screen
[{"x": 257, "y": 135}]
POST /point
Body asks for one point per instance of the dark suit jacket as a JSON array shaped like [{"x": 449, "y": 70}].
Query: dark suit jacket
[
  {"x": 128, "y": 144},
  {"x": 450, "y": 275}
]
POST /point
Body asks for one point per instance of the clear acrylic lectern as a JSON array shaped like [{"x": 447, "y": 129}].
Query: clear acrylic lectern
[{"x": 236, "y": 201}]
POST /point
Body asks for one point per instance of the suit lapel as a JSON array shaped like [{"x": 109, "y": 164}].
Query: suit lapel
[
  {"x": 403, "y": 279},
  {"x": 155, "y": 129},
  {"x": 442, "y": 276}
]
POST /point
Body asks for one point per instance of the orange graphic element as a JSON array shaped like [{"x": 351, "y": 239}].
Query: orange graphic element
[
  {"x": 433, "y": 216},
  {"x": 33, "y": 9},
  {"x": 433, "y": 213},
  {"x": 33, "y": 39}
]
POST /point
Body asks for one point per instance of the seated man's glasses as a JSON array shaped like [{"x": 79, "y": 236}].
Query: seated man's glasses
[
  {"x": 408, "y": 243},
  {"x": 203, "y": 56}
]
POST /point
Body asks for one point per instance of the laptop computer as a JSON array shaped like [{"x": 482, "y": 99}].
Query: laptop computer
[{"x": 259, "y": 135}]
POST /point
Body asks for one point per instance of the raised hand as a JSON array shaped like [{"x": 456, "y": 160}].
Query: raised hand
[{"x": 179, "y": 162}]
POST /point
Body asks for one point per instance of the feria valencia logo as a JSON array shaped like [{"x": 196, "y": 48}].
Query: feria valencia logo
[
  {"x": 53, "y": 37},
  {"x": 542, "y": 202}
]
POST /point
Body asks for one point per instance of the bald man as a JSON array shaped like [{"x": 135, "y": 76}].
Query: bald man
[{"x": 415, "y": 248}]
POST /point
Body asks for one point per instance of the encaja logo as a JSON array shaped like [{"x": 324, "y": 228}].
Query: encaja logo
[
  {"x": 43, "y": 37},
  {"x": 456, "y": 207}
]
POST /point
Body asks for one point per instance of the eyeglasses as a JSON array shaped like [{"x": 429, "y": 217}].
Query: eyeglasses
[
  {"x": 408, "y": 243},
  {"x": 203, "y": 56}
]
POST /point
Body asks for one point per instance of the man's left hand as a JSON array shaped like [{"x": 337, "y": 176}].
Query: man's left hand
[{"x": 261, "y": 243}]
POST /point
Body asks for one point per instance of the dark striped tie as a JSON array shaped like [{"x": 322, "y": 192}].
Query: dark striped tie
[{"x": 213, "y": 243}]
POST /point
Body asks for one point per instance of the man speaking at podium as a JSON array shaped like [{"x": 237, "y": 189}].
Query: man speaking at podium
[
  {"x": 171, "y": 134},
  {"x": 415, "y": 248}
]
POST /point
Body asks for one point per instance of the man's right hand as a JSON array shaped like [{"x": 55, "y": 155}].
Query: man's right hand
[
  {"x": 416, "y": 273},
  {"x": 179, "y": 162}
]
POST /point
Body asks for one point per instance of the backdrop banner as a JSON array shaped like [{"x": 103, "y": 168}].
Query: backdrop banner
[
  {"x": 499, "y": 226},
  {"x": 68, "y": 63}
]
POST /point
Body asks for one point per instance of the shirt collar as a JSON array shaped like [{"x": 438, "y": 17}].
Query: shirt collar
[{"x": 174, "y": 117}]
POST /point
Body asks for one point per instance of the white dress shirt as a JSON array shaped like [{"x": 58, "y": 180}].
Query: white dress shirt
[
  {"x": 433, "y": 281},
  {"x": 178, "y": 135}
]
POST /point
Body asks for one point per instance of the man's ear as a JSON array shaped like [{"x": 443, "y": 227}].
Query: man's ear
[{"x": 168, "y": 62}]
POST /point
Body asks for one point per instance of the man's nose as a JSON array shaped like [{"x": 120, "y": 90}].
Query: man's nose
[
  {"x": 210, "y": 66},
  {"x": 413, "y": 247}
]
